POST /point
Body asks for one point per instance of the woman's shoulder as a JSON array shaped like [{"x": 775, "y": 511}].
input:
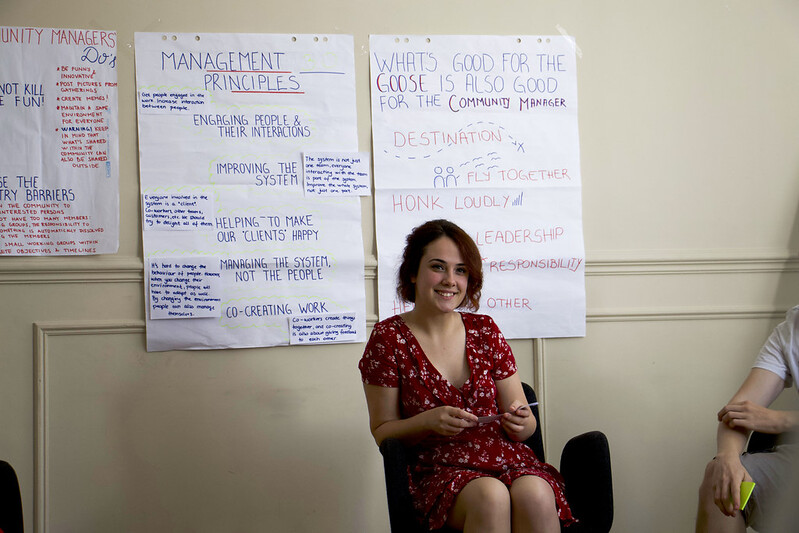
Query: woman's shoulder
[
  {"x": 483, "y": 327},
  {"x": 387, "y": 326},
  {"x": 477, "y": 320},
  {"x": 390, "y": 322}
]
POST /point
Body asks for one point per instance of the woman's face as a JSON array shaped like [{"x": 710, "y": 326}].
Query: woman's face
[{"x": 442, "y": 278}]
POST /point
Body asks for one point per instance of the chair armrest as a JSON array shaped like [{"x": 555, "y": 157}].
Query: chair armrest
[{"x": 585, "y": 466}]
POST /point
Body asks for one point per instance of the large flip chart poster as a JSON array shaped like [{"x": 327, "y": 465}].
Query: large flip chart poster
[
  {"x": 482, "y": 130},
  {"x": 237, "y": 253},
  {"x": 59, "y": 150}
]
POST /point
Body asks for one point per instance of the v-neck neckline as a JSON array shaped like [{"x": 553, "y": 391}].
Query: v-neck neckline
[{"x": 424, "y": 360}]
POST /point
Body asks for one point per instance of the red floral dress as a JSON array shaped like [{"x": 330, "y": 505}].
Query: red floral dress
[{"x": 394, "y": 358}]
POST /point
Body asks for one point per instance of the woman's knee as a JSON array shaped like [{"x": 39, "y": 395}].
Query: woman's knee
[
  {"x": 532, "y": 492},
  {"x": 483, "y": 500},
  {"x": 533, "y": 505},
  {"x": 491, "y": 493}
]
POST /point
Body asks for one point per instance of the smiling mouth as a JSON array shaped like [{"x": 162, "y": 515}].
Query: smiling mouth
[{"x": 446, "y": 294}]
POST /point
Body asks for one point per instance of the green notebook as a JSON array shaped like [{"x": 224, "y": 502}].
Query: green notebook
[{"x": 746, "y": 490}]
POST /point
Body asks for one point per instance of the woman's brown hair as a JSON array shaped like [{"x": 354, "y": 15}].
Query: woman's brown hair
[{"x": 415, "y": 244}]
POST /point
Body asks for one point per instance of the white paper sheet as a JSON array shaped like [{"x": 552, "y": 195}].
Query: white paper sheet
[
  {"x": 337, "y": 174},
  {"x": 482, "y": 130},
  {"x": 223, "y": 122},
  {"x": 59, "y": 169},
  {"x": 184, "y": 288}
]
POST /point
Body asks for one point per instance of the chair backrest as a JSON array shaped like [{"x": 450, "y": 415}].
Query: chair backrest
[
  {"x": 10, "y": 500},
  {"x": 536, "y": 441}
]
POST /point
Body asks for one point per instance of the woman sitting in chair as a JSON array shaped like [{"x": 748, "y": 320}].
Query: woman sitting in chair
[{"x": 429, "y": 373}]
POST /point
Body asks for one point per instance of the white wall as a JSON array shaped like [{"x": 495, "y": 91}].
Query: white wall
[{"x": 689, "y": 132}]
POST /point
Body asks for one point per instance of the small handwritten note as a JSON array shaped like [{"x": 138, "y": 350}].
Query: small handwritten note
[
  {"x": 185, "y": 288},
  {"x": 169, "y": 101},
  {"x": 337, "y": 174},
  {"x": 317, "y": 329},
  {"x": 177, "y": 211}
]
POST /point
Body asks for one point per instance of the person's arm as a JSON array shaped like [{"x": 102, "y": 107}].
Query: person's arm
[
  {"x": 747, "y": 411},
  {"x": 385, "y": 418},
  {"x": 520, "y": 425}
]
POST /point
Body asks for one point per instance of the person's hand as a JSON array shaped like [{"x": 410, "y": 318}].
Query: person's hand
[
  {"x": 447, "y": 420},
  {"x": 515, "y": 421},
  {"x": 725, "y": 473},
  {"x": 753, "y": 417}
]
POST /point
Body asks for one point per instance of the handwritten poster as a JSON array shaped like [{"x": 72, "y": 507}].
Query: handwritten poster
[
  {"x": 482, "y": 130},
  {"x": 224, "y": 121},
  {"x": 59, "y": 169}
]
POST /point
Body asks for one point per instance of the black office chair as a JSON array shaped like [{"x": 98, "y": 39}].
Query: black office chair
[
  {"x": 10, "y": 500},
  {"x": 765, "y": 442},
  {"x": 584, "y": 464},
  {"x": 761, "y": 442}
]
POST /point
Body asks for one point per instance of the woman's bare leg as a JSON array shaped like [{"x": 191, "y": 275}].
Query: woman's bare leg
[
  {"x": 483, "y": 506},
  {"x": 533, "y": 507}
]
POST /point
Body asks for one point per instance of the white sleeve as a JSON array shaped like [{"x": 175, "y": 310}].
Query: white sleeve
[{"x": 780, "y": 348}]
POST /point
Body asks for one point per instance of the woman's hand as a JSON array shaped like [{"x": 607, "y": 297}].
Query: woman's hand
[
  {"x": 385, "y": 419},
  {"x": 516, "y": 421},
  {"x": 518, "y": 424},
  {"x": 447, "y": 420}
]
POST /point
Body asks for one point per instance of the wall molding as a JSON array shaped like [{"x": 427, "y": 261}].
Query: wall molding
[
  {"x": 43, "y": 333},
  {"x": 45, "y": 270},
  {"x": 71, "y": 270},
  {"x": 688, "y": 313},
  {"x": 648, "y": 262},
  {"x": 115, "y": 269}
]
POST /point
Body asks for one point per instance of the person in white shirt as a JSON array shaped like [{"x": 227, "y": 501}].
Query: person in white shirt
[{"x": 719, "y": 509}]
